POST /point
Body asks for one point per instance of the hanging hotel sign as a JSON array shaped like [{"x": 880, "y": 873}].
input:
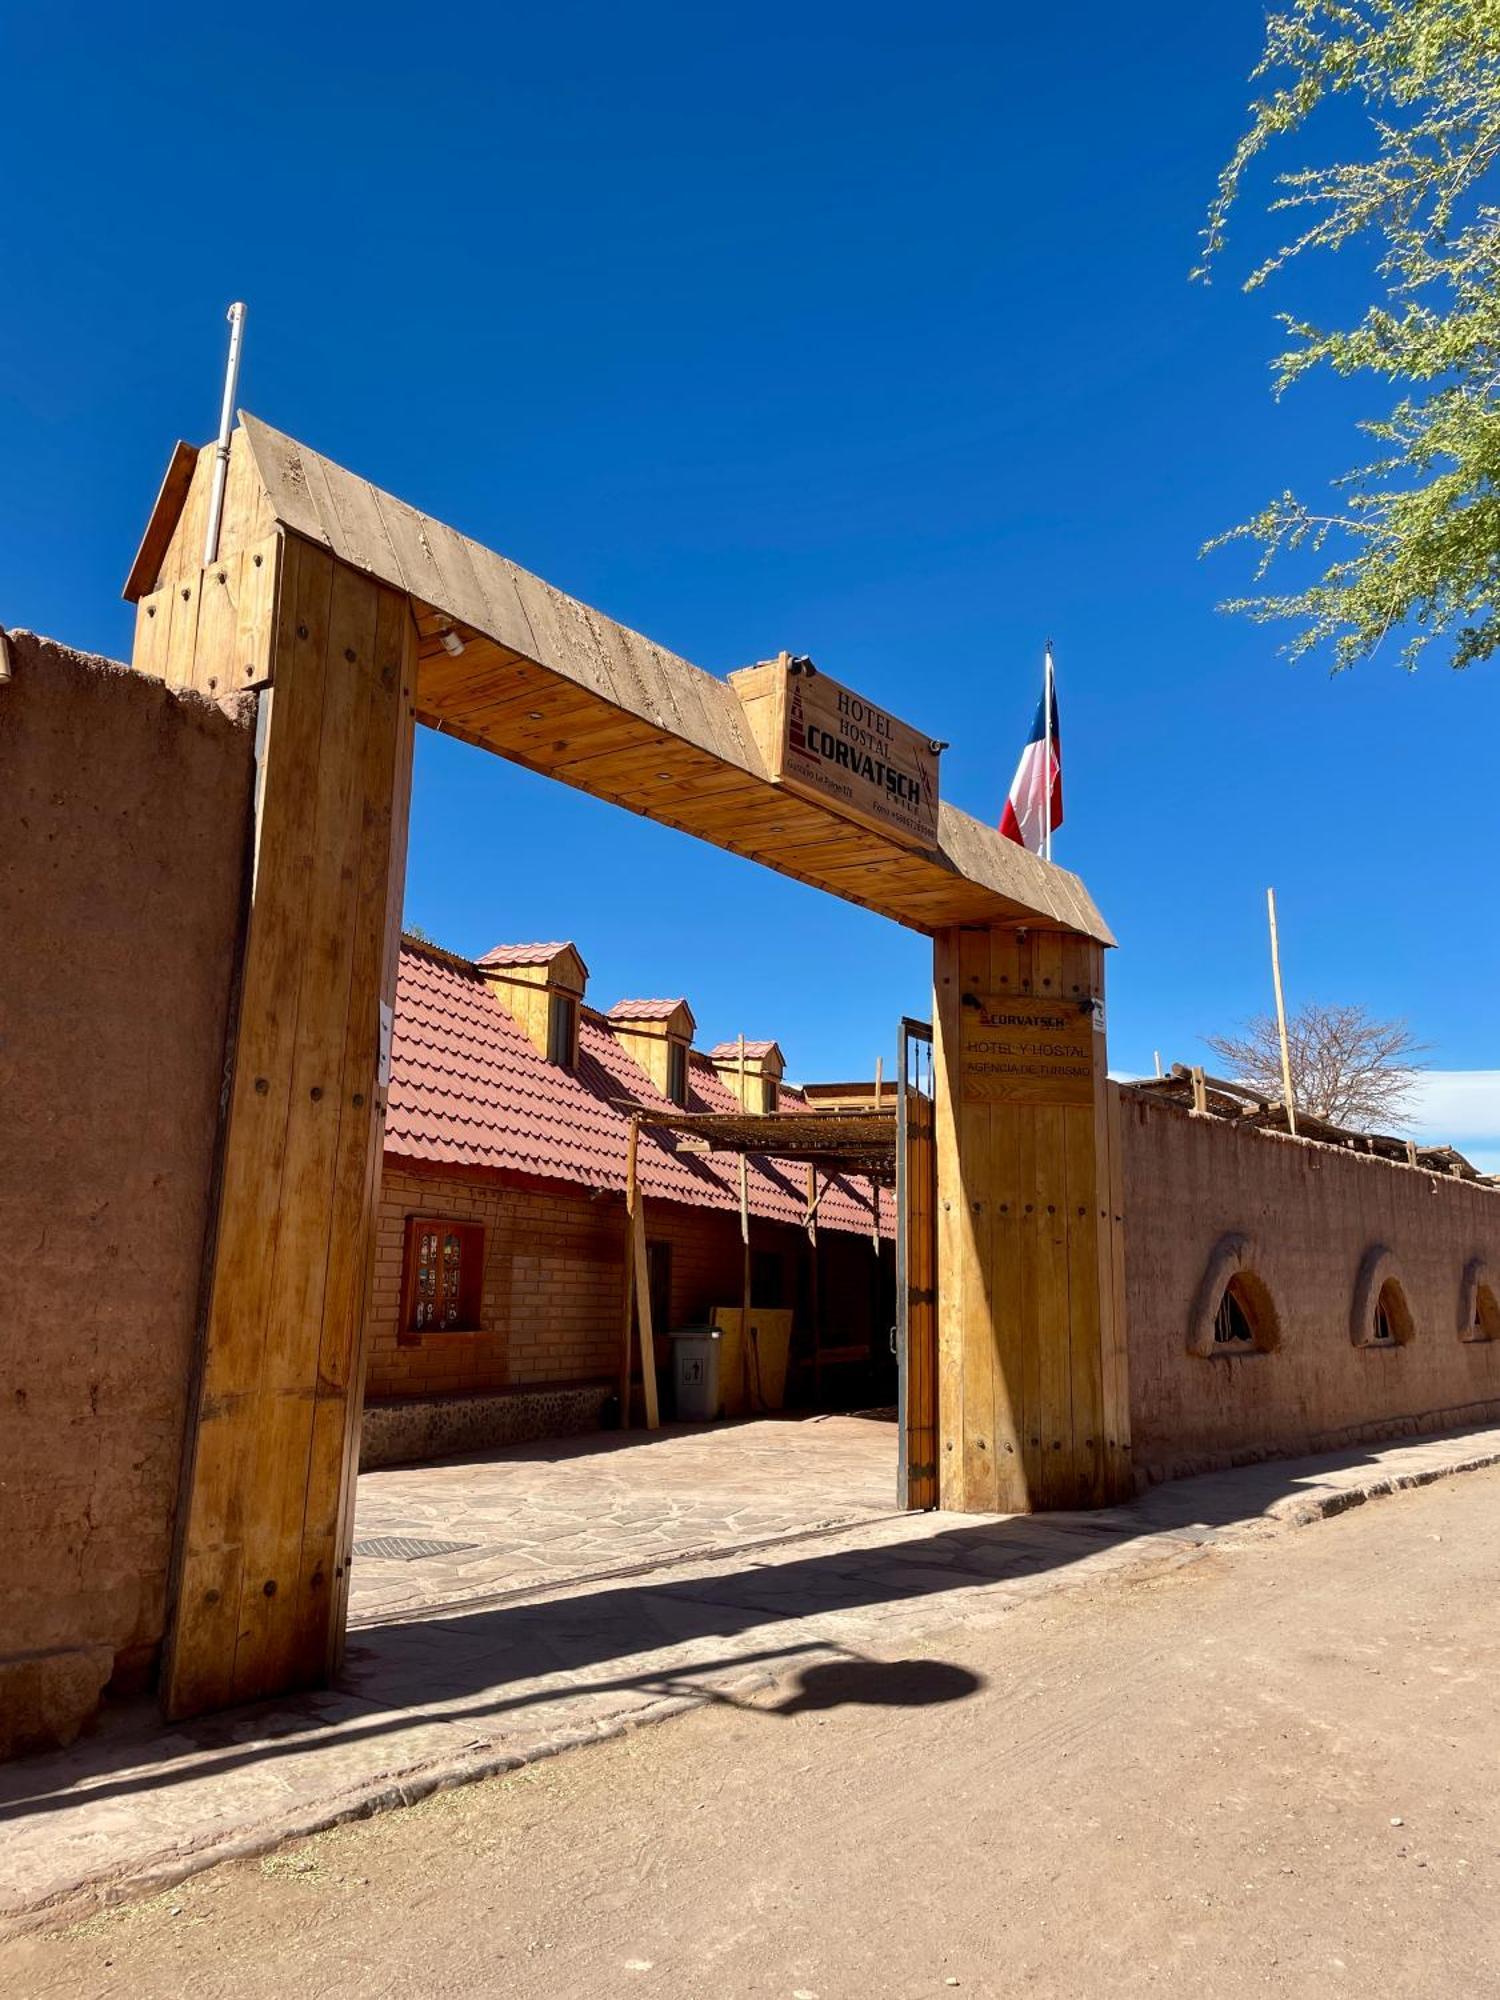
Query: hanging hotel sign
[
  {"x": 830, "y": 744},
  {"x": 1020, "y": 1048}
]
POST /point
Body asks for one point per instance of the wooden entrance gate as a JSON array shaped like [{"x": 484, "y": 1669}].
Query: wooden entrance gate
[{"x": 351, "y": 617}]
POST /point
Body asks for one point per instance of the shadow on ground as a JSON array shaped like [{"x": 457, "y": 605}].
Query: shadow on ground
[{"x": 481, "y": 1663}]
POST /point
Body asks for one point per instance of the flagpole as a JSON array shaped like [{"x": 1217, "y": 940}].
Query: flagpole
[{"x": 1047, "y": 758}]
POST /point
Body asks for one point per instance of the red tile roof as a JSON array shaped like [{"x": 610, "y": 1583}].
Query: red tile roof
[
  {"x": 524, "y": 954},
  {"x": 645, "y": 1010},
  {"x": 468, "y": 1089},
  {"x": 728, "y": 1051}
]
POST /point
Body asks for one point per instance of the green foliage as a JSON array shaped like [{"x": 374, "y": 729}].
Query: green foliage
[{"x": 1412, "y": 542}]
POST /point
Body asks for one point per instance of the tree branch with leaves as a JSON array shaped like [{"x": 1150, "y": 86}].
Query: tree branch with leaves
[{"x": 1411, "y": 544}]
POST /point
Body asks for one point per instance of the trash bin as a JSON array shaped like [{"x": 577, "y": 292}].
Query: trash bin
[{"x": 695, "y": 1373}]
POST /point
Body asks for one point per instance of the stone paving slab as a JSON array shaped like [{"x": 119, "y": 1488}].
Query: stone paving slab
[
  {"x": 577, "y": 1507},
  {"x": 455, "y": 1689}
]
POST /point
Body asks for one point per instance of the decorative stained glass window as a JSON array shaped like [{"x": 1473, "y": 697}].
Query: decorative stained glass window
[{"x": 444, "y": 1275}]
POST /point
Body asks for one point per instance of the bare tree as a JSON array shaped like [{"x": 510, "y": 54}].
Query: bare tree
[{"x": 1347, "y": 1067}]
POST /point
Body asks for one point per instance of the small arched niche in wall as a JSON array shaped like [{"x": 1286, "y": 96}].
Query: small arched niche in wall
[
  {"x": 1381, "y": 1315},
  {"x": 1233, "y": 1311},
  {"x": 1479, "y": 1303}
]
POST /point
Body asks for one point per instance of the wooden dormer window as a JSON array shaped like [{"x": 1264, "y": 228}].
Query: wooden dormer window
[
  {"x": 772, "y": 1095},
  {"x": 562, "y": 1030},
  {"x": 677, "y": 1068}
]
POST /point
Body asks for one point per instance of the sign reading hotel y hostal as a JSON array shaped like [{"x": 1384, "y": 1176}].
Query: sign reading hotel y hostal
[{"x": 832, "y": 745}]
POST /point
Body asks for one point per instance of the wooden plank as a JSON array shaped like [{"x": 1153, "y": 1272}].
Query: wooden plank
[
  {"x": 213, "y": 649},
  {"x": 153, "y": 626},
  {"x": 184, "y": 558},
  {"x": 146, "y": 570},
  {"x": 267, "y": 1651},
  {"x": 1092, "y": 1299},
  {"x": 247, "y": 519},
  {"x": 1115, "y": 1355},
  {"x": 1009, "y": 1247},
  {"x": 254, "y": 596},
  {"x": 385, "y": 848},
  {"x": 1053, "y": 1416},
  {"x": 181, "y": 601},
  {"x": 199, "y": 1672},
  {"x": 328, "y": 1528}
]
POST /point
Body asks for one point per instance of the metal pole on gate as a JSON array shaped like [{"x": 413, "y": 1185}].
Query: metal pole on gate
[{"x": 236, "y": 318}]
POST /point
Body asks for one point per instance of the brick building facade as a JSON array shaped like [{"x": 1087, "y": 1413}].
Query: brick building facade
[{"x": 507, "y": 1138}]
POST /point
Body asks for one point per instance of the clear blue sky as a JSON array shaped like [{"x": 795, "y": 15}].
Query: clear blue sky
[{"x": 861, "y": 331}]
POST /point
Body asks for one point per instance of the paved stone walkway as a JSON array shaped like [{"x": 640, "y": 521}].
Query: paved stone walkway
[
  {"x": 581, "y": 1509},
  {"x": 456, "y": 1687}
]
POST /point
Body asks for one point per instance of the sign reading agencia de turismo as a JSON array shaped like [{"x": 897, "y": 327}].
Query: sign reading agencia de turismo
[{"x": 831, "y": 744}]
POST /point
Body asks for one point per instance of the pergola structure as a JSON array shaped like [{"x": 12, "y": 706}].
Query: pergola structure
[
  {"x": 835, "y": 1142},
  {"x": 352, "y": 617}
]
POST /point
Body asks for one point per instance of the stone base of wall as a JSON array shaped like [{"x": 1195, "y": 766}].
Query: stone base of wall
[
  {"x": 46, "y": 1698},
  {"x": 410, "y": 1430},
  {"x": 1188, "y": 1464}
]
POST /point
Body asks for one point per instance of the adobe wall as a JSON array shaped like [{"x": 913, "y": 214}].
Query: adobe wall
[
  {"x": 1312, "y": 1211},
  {"x": 123, "y": 812}
]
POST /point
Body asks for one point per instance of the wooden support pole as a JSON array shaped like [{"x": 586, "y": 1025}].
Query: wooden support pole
[
  {"x": 627, "y": 1314},
  {"x": 1286, "y": 1053},
  {"x": 1034, "y": 1407},
  {"x": 638, "y": 1268},
  {"x": 750, "y": 1374}
]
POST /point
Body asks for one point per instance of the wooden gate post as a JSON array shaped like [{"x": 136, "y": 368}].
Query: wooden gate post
[
  {"x": 1034, "y": 1405},
  {"x": 265, "y": 1517}
]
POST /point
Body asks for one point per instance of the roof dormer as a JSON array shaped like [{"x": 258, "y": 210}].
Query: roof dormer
[
  {"x": 752, "y": 1071},
  {"x": 541, "y": 986},
  {"x": 657, "y": 1034}
]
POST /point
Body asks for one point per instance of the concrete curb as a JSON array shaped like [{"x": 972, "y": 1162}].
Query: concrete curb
[
  {"x": 159, "y": 1873},
  {"x": 1300, "y": 1511}
]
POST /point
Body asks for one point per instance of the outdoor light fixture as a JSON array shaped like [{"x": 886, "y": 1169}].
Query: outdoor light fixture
[{"x": 452, "y": 643}]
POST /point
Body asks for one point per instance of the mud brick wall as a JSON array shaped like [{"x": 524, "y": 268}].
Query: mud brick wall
[
  {"x": 1312, "y": 1212},
  {"x": 124, "y": 811}
]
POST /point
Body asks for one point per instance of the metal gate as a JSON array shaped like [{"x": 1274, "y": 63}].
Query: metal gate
[{"x": 916, "y": 1268}]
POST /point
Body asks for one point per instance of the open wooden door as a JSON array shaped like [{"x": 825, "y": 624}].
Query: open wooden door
[{"x": 916, "y": 1268}]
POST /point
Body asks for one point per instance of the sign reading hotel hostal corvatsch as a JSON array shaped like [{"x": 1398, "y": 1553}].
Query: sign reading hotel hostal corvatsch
[
  {"x": 832, "y": 745},
  {"x": 1021, "y": 1048}
]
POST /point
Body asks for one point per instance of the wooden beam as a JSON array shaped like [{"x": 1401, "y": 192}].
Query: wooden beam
[
  {"x": 173, "y": 492},
  {"x": 642, "y": 1265},
  {"x": 265, "y": 1520},
  {"x": 685, "y": 752},
  {"x": 638, "y": 1272},
  {"x": 1033, "y": 1384}
]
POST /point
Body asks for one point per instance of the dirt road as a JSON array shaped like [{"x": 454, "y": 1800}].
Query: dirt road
[{"x": 1273, "y": 1771}]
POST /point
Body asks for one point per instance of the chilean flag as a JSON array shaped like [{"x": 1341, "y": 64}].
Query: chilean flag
[{"x": 1035, "y": 805}]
